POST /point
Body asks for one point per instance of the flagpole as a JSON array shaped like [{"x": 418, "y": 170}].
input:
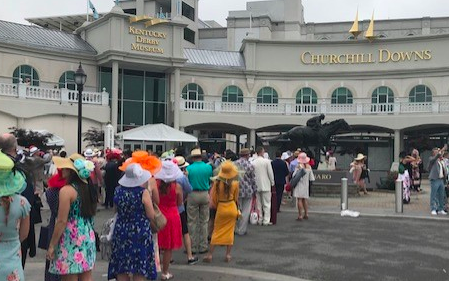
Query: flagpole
[{"x": 87, "y": 10}]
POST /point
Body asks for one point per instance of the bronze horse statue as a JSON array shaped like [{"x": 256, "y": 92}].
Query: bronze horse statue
[{"x": 304, "y": 136}]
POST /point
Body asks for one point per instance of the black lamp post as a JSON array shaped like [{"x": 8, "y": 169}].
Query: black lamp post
[{"x": 80, "y": 80}]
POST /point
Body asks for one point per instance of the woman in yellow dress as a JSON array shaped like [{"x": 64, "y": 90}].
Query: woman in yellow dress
[{"x": 224, "y": 196}]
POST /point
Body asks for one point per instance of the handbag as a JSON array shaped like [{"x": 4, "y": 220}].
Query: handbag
[
  {"x": 254, "y": 216},
  {"x": 297, "y": 177},
  {"x": 159, "y": 221},
  {"x": 43, "y": 238}
]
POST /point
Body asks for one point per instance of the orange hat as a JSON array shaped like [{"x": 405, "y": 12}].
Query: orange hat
[{"x": 147, "y": 162}]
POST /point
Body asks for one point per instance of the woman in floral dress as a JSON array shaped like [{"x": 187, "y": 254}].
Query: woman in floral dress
[
  {"x": 55, "y": 183},
  {"x": 14, "y": 220},
  {"x": 132, "y": 244},
  {"x": 72, "y": 249}
]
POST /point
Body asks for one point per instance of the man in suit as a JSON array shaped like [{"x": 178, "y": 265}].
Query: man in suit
[
  {"x": 437, "y": 177},
  {"x": 264, "y": 182}
]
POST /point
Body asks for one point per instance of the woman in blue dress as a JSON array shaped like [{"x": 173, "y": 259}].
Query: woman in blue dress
[
  {"x": 14, "y": 220},
  {"x": 132, "y": 246}
]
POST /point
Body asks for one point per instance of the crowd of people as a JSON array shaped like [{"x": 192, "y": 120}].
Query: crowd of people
[{"x": 162, "y": 203}]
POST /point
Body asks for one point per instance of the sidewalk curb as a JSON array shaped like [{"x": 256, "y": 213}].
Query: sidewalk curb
[
  {"x": 368, "y": 214},
  {"x": 258, "y": 275}
]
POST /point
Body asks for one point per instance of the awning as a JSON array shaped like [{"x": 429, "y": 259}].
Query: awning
[
  {"x": 54, "y": 141},
  {"x": 156, "y": 132}
]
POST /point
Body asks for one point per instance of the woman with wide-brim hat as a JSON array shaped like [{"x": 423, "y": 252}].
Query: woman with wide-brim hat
[
  {"x": 72, "y": 250},
  {"x": 14, "y": 212},
  {"x": 132, "y": 243},
  {"x": 301, "y": 190},
  {"x": 170, "y": 198},
  {"x": 224, "y": 196},
  {"x": 359, "y": 171}
]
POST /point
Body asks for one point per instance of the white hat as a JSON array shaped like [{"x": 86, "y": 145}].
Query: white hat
[
  {"x": 360, "y": 156},
  {"x": 169, "y": 172},
  {"x": 33, "y": 150},
  {"x": 181, "y": 162},
  {"x": 134, "y": 176},
  {"x": 89, "y": 153},
  {"x": 285, "y": 156}
]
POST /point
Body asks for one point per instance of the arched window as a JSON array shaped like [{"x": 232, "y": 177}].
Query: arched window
[
  {"x": 420, "y": 93},
  {"x": 27, "y": 73},
  {"x": 232, "y": 94},
  {"x": 382, "y": 95},
  {"x": 67, "y": 80},
  {"x": 267, "y": 95},
  {"x": 382, "y": 100},
  {"x": 306, "y": 96},
  {"x": 193, "y": 91},
  {"x": 342, "y": 95}
]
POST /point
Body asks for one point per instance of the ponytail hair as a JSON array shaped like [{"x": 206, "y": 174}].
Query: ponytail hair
[
  {"x": 88, "y": 196},
  {"x": 6, "y": 203}
]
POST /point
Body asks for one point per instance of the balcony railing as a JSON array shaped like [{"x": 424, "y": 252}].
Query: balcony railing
[
  {"x": 359, "y": 107},
  {"x": 24, "y": 91}
]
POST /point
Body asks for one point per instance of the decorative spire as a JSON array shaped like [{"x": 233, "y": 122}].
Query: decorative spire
[
  {"x": 369, "y": 34},
  {"x": 355, "y": 31}
]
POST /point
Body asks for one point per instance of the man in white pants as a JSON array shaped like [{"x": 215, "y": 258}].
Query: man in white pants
[
  {"x": 247, "y": 189},
  {"x": 264, "y": 181}
]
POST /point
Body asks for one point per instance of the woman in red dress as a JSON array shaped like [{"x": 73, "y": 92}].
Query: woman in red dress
[{"x": 170, "y": 196}]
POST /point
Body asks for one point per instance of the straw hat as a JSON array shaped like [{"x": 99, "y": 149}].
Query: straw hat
[
  {"x": 303, "y": 159},
  {"x": 181, "y": 161},
  {"x": 245, "y": 152},
  {"x": 11, "y": 182},
  {"x": 169, "y": 172},
  {"x": 195, "y": 152},
  {"x": 228, "y": 170},
  {"x": 77, "y": 163},
  {"x": 359, "y": 157},
  {"x": 134, "y": 176}
]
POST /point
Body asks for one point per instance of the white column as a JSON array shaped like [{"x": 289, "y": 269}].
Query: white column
[
  {"x": 252, "y": 139},
  {"x": 398, "y": 144},
  {"x": 177, "y": 105},
  {"x": 114, "y": 103}
]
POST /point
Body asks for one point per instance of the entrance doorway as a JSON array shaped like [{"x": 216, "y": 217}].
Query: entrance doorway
[{"x": 158, "y": 147}]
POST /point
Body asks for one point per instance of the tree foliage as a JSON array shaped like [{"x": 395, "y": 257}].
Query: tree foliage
[
  {"x": 95, "y": 137},
  {"x": 27, "y": 138}
]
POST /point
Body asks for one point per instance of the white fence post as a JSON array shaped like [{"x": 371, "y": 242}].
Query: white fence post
[
  {"x": 22, "y": 89},
  {"x": 104, "y": 97}
]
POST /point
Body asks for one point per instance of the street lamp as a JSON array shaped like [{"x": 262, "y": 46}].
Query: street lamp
[{"x": 80, "y": 80}]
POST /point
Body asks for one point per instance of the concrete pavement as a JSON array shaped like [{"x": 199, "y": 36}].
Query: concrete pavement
[{"x": 379, "y": 245}]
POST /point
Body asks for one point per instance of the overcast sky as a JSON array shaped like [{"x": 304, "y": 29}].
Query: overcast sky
[{"x": 315, "y": 10}]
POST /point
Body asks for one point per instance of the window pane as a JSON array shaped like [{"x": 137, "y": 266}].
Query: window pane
[
  {"x": 106, "y": 81},
  {"x": 154, "y": 113},
  {"x": 133, "y": 85},
  {"x": 132, "y": 113},
  {"x": 188, "y": 11}
]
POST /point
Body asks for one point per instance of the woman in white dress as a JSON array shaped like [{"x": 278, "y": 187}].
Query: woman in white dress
[{"x": 301, "y": 190}]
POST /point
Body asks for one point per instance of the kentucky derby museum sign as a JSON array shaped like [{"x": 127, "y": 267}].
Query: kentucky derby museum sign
[
  {"x": 147, "y": 40},
  {"x": 382, "y": 56}
]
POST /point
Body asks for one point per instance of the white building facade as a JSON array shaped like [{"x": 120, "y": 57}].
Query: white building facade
[{"x": 267, "y": 71}]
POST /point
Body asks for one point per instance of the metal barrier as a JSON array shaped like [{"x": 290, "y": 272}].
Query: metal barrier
[
  {"x": 398, "y": 197},
  {"x": 344, "y": 194}
]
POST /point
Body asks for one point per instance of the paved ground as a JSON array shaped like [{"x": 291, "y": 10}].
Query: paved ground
[{"x": 379, "y": 245}]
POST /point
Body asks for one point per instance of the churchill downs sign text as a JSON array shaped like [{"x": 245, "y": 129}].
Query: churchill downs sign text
[{"x": 382, "y": 56}]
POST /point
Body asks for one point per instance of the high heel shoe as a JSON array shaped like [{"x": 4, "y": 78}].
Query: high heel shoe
[{"x": 227, "y": 258}]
